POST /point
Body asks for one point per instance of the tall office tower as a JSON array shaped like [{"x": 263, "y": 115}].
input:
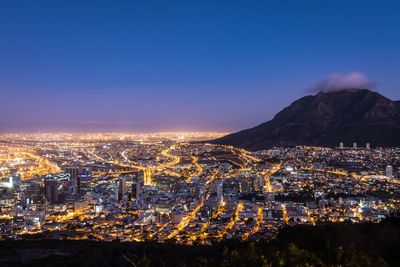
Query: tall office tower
[
  {"x": 147, "y": 180},
  {"x": 135, "y": 190},
  {"x": 354, "y": 145},
  {"x": 84, "y": 178},
  {"x": 51, "y": 189},
  {"x": 116, "y": 193},
  {"x": 220, "y": 191},
  {"x": 73, "y": 174},
  {"x": 122, "y": 187},
  {"x": 139, "y": 188},
  {"x": 341, "y": 145},
  {"x": 389, "y": 172},
  {"x": 368, "y": 146},
  {"x": 141, "y": 177},
  {"x": 80, "y": 177}
]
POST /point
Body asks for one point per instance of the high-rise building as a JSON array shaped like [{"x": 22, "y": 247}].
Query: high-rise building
[
  {"x": 137, "y": 188},
  {"x": 219, "y": 189},
  {"x": 122, "y": 187},
  {"x": 134, "y": 190},
  {"x": 51, "y": 189},
  {"x": 72, "y": 171},
  {"x": 354, "y": 145},
  {"x": 80, "y": 177},
  {"x": 341, "y": 145},
  {"x": 389, "y": 172},
  {"x": 147, "y": 180},
  {"x": 73, "y": 175},
  {"x": 116, "y": 193},
  {"x": 84, "y": 178},
  {"x": 368, "y": 146}
]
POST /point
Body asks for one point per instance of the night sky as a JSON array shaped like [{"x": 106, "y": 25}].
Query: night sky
[{"x": 185, "y": 65}]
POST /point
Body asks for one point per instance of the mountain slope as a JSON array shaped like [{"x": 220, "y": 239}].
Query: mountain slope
[{"x": 326, "y": 119}]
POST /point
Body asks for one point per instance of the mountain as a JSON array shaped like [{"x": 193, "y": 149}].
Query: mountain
[{"x": 326, "y": 119}]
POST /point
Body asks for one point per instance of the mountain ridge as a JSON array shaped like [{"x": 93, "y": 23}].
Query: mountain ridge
[{"x": 326, "y": 119}]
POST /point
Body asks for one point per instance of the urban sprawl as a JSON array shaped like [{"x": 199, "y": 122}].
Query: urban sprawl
[{"x": 176, "y": 187}]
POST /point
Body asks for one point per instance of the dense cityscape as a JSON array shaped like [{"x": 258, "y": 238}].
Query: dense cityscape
[{"x": 176, "y": 187}]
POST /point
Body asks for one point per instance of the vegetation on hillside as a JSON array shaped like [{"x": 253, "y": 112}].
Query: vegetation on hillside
[{"x": 332, "y": 244}]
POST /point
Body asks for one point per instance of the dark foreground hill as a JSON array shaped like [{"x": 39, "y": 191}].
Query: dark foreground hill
[
  {"x": 340, "y": 244},
  {"x": 326, "y": 119}
]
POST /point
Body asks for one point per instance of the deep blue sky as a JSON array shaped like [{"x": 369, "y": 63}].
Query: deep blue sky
[{"x": 182, "y": 65}]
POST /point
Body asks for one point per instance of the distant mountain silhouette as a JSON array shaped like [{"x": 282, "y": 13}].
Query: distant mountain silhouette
[{"x": 326, "y": 119}]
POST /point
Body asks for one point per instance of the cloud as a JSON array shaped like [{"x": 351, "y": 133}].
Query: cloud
[{"x": 342, "y": 81}]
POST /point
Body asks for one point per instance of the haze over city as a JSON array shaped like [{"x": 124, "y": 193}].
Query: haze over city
[{"x": 184, "y": 65}]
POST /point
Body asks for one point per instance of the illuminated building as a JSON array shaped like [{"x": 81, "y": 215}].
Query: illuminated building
[
  {"x": 73, "y": 174},
  {"x": 122, "y": 187},
  {"x": 220, "y": 194},
  {"x": 389, "y": 172},
  {"x": 83, "y": 179},
  {"x": 80, "y": 177},
  {"x": 137, "y": 188},
  {"x": 368, "y": 146},
  {"x": 201, "y": 191},
  {"x": 7, "y": 182}
]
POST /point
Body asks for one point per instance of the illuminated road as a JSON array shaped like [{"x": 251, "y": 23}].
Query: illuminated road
[
  {"x": 256, "y": 227},
  {"x": 268, "y": 187},
  {"x": 221, "y": 210},
  {"x": 43, "y": 165},
  {"x": 147, "y": 170},
  {"x": 185, "y": 221},
  {"x": 198, "y": 169},
  {"x": 235, "y": 218},
  {"x": 192, "y": 215}
]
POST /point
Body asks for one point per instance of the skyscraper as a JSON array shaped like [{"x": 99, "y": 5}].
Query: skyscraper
[
  {"x": 73, "y": 174},
  {"x": 51, "y": 189},
  {"x": 219, "y": 189},
  {"x": 122, "y": 187},
  {"x": 83, "y": 179},
  {"x": 137, "y": 188},
  {"x": 72, "y": 171},
  {"x": 389, "y": 172},
  {"x": 80, "y": 177}
]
